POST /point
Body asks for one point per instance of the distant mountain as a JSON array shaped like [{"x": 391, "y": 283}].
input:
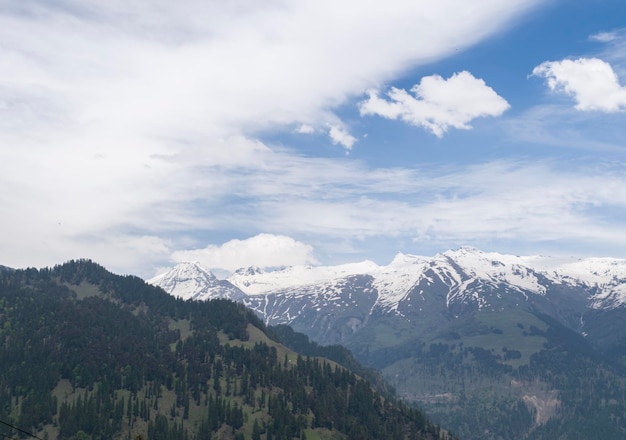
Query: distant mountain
[
  {"x": 191, "y": 281},
  {"x": 255, "y": 281},
  {"x": 5, "y": 269},
  {"x": 504, "y": 330},
  {"x": 603, "y": 278},
  {"x": 86, "y": 354}
]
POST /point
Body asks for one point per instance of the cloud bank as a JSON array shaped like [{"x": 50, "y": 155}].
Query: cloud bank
[
  {"x": 263, "y": 250},
  {"x": 438, "y": 104}
]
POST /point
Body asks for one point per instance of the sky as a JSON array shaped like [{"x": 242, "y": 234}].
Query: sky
[{"x": 270, "y": 133}]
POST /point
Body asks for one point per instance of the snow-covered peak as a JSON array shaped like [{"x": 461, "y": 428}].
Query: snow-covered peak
[
  {"x": 249, "y": 271},
  {"x": 477, "y": 259},
  {"x": 607, "y": 276},
  {"x": 496, "y": 268},
  {"x": 407, "y": 260},
  {"x": 595, "y": 271},
  {"x": 192, "y": 281},
  {"x": 183, "y": 271},
  {"x": 296, "y": 276},
  {"x": 394, "y": 281}
]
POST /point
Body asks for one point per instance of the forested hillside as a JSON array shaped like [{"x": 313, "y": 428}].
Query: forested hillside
[{"x": 85, "y": 354}]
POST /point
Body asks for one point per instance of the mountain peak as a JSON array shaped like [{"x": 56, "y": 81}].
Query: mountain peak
[
  {"x": 192, "y": 269},
  {"x": 403, "y": 259},
  {"x": 249, "y": 271},
  {"x": 189, "y": 280},
  {"x": 464, "y": 251}
]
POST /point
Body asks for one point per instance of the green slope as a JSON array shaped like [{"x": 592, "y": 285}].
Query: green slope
[
  {"x": 515, "y": 373},
  {"x": 85, "y": 354}
]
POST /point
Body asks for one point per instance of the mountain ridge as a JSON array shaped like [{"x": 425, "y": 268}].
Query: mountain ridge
[
  {"x": 483, "y": 320},
  {"x": 605, "y": 276},
  {"x": 89, "y": 355}
]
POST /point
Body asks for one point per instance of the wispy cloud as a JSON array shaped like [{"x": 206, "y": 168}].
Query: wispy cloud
[
  {"x": 438, "y": 104},
  {"x": 510, "y": 199},
  {"x": 504, "y": 200},
  {"x": 562, "y": 126},
  {"x": 604, "y": 37}
]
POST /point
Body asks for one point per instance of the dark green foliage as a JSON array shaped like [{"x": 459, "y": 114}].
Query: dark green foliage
[
  {"x": 115, "y": 341},
  {"x": 592, "y": 392},
  {"x": 579, "y": 392},
  {"x": 97, "y": 414},
  {"x": 302, "y": 344}
]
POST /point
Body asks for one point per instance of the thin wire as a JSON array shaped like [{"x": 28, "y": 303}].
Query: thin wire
[{"x": 18, "y": 429}]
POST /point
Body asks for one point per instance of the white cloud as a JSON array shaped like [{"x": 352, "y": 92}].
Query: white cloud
[
  {"x": 499, "y": 200},
  {"x": 590, "y": 81},
  {"x": 604, "y": 37},
  {"x": 340, "y": 136},
  {"x": 438, "y": 104},
  {"x": 305, "y": 129},
  {"x": 263, "y": 250},
  {"x": 137, "y": 118}
]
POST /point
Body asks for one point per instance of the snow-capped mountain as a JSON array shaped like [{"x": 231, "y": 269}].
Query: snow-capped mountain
[
  {"x": 255, "y": 281},
  {"x": 461, "y": 270},
  {"x": 606, "y": 277},
  {"x": 466, "y": 273},
  {"x": 192, "y": 281},
  {"x": 415, "y": 288}
]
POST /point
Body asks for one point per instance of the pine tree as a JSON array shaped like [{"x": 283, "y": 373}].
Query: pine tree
[{"x": 256, "y": 430}]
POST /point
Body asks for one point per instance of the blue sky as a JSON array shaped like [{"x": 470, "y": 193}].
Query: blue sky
[{"x": 270, "y": 133}]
